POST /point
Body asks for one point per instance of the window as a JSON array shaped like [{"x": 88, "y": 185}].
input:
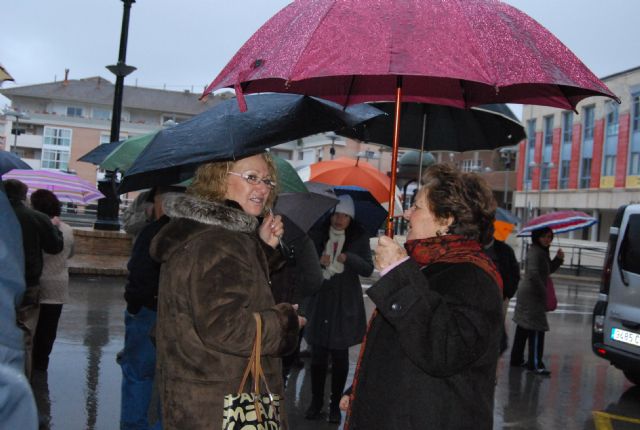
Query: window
[
  {"x": 102, "y": 114},
  {"x": 471, "y": 165},
  {"x": 634, "y": 150},
  {"x": 74, "y": 111},
  {"x": 52, "y": 159},
  {"x": 565, "y": 149},
  {"x": 586, "y": 154},
  {"x": 530, "y": 153},
  {"x": 611, "y": 139},
  {"x": 545, "y": 173},
  {"x": 56, "y": 148},
  {"x": 630, "y": 248},
  {"x": 57, "y": 137}
]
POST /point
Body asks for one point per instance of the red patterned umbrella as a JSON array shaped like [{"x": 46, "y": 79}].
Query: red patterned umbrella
[
  {"x": 459, "y": 53},
  {"x": 559, "y": 222}
]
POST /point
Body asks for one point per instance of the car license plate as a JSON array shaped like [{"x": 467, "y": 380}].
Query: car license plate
[{"x": 625, "y": 336}]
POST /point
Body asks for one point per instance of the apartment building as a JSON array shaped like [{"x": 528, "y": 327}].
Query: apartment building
[
  {"x": 53, "y": 124},
  {"x": 586, "y": 160}
]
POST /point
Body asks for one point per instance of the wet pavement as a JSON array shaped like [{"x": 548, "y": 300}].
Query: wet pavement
[{"x": 82, "y": 388}]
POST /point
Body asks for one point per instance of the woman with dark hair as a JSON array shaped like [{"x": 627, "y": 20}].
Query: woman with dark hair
[
  {"x": 530, "y": 313},
  {"x": 431, "y": 349},
  {"x": 215, "y": 260},
  {"x": 54, "y": 281},
  {"x": 337, "y": 318}
]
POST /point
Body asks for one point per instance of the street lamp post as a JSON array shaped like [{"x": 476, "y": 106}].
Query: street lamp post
[
  {"x": 540, "y": 166},
  {"x": 108, "y": 208},
  {"x": 505, "y": 154},
  {"x": 16, "y": 128}
]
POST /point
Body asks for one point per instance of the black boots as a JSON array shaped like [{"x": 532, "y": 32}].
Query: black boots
[{"x": 318, "y": 376}]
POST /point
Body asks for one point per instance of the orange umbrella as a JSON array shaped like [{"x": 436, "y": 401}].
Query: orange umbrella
[{"x": 347, "y": 171}]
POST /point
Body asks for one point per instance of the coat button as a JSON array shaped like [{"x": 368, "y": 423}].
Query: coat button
[
  {"x": 396, "y": 307},
  {"x": 326, "y": 321}
]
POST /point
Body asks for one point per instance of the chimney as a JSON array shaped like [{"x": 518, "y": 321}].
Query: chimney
[{"x": 66, "y": 77}]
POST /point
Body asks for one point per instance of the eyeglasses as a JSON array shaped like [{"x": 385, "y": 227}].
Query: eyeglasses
[{"x": 253, "y": 179}]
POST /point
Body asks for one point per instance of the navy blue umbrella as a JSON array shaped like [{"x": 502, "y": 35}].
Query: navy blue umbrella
[
  {"x": 224, "y": 133},
  {"x": 369, "y": 213},
  {"x": 10, "y": 161}
]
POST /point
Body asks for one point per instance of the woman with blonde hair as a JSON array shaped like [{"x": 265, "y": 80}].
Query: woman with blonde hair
[{"x": 215, "y": 260}]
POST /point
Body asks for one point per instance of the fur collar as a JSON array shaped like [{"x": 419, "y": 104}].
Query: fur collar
[{"x": 177, "y": 205}]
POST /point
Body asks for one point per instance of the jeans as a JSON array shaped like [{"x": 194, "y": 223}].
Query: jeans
[{"x": 138, "y": 363}]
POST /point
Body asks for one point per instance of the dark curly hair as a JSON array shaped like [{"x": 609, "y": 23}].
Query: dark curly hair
[
  {"x": 46, "y": 202},
  {"x": 465, "y": 197}
]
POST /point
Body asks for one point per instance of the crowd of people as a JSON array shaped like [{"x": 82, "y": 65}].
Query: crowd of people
[{"x": 208, "y": 260}]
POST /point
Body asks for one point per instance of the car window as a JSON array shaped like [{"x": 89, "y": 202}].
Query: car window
[{"x": 630, "y": 248}]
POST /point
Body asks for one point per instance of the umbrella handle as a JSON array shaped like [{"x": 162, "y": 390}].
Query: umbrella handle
[{"x": 394, "y": 159}]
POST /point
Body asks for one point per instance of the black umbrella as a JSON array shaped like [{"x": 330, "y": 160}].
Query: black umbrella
[
  {"x": 303, "y": 209},
  {"x": 442, "y": 128},
  {"x": 10, "y": 161},
  {"x": 225, "y": 133},
  {"x": 98, "y": 154}
]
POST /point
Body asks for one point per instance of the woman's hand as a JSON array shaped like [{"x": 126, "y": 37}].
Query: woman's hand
[
  {"x": 302, "y": 321},
  {"x": 344, "y": 403},
  {"x": 271, "y": 230},
  {"x": 387, "y": 253},
  {"x": 342, "y": 258},
  {"x": 325, "y": 260},
  {"x": 560, "y": 254}
]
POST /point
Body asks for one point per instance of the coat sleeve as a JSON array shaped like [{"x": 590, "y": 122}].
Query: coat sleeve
[
  {"x": 308, "y": 275},
  {"x": 538, "y": 271},
  {"x": 440, "y": 334},
  {"x": 359, "y": 256},
  {"x": 224, "y": 291},
  {"x": 51, "y": 239}
]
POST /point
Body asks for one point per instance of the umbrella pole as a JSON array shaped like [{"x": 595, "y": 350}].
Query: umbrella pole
[
  {"x": 424, "y": 135},
  {"x": 394, "y": 159}
]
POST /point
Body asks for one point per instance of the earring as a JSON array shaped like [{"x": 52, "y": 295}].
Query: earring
[{"x": 441, "y": 232}]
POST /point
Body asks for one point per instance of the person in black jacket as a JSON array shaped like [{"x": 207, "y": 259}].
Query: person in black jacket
[
  {"x": 138, "y": 358},
  {"x": 39, "y": 235},
  {"x": 336, "y": 313},
  {"x": 505, "y": 260},
  {"x": 431, "y": 350}
]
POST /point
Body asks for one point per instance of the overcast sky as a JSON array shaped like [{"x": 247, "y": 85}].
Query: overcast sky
[{"x": 184, "y": 44}]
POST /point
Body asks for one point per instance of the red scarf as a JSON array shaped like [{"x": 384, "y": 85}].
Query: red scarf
[{"x": 451, "y": 248}]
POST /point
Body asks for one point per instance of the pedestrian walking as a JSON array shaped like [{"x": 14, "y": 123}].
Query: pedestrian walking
[
  {"x": 54, "y": 281},
  {"x": 138, "y": 357},
  {"x": 337, "y": 318},
  {"x": 431, "y": 350},
  {"x": 530, "y": 313},
  {"x": 39, "y": 234},
  {"x": 215, "y": 262}
]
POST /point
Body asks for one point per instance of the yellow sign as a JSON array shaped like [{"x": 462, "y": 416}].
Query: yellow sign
[
  {"x": 607, "y": 181},
  {"x": 633, "y": 182}
]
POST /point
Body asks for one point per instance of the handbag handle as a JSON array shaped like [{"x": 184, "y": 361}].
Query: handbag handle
[{"x": 255, "y": 366}]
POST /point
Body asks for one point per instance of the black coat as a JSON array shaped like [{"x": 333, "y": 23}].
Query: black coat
[
  {"x": 505, "y": 260},
  {"x": 336, "y": 315},
  {"x": 431, "y": 352}
]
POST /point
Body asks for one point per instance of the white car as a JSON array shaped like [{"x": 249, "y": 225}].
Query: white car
[{"x": 616, "y": 316}]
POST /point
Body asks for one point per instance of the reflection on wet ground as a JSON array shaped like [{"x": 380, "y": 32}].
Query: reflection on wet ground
[{"x": 82, "y": 388}]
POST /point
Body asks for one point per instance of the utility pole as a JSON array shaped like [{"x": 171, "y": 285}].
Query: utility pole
[{"x": 109, "y": 207}]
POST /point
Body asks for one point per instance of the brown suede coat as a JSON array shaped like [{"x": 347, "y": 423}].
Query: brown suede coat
[{"x": 214, "y": 275}]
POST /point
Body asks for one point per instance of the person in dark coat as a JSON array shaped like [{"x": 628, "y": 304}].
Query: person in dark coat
[
  {"x": 336, "y": 313},
  {"x": 297, "y": 280},
  {"x": 430, "y": 354},
  {"x": 530, "y": 313},
  {"x": 138, "y": 357},
  {"x": 39, "y": 234},
  {"x": 505, "y": 260}
]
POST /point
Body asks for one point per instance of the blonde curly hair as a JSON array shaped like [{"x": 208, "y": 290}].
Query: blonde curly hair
[{"x": 210, "y": 180}]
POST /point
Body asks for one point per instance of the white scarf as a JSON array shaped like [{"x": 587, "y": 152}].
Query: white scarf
[{"x": 333, "y": 248}]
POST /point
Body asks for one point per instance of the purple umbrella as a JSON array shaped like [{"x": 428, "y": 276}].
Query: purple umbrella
[{"x": 67, "y": 187}]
